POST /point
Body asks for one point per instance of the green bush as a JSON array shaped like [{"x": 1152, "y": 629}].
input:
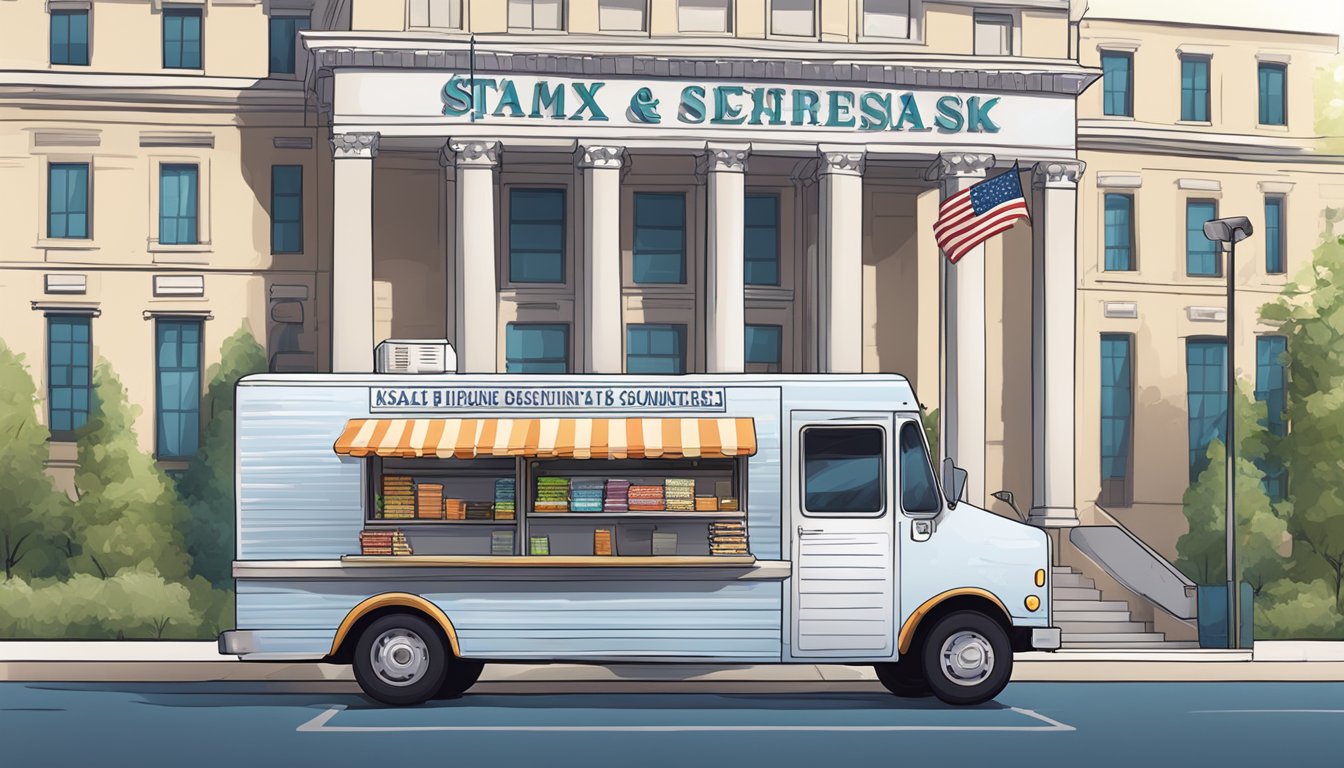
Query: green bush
[
  {"x": 132, "y": 605},
  {"x": 1293, "y": 610}
]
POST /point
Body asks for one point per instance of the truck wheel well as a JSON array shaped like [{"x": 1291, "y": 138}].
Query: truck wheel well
[
  {"x": 976, "y": 603},
  {"x": 344, "y": 652}
]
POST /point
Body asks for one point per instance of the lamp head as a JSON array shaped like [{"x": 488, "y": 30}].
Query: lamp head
[{"x": 1233, "y": 229}]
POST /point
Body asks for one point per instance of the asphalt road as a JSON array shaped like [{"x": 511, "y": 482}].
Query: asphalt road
[{"x": 256, "y": 724}]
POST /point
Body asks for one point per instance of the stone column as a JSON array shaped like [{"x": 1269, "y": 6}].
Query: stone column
[
  {"x": 1054, "y": 323},
  {"x": 840, "y": 259},
  {"x": 725, "y": 297},
  {"x": 602, "y": 324},
  {"x": 352, "y": 252},
  {"x": 477, "y": 284},
  {"x": 963, "y": 400}
]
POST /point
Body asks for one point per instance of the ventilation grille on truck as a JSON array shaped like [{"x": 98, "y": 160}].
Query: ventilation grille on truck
[{"x": 415, "y": 356}]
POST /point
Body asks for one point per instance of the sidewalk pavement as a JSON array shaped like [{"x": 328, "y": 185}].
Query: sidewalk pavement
[{"x": 167, "y": 661}]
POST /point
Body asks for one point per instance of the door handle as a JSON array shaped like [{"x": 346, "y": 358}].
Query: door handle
[{"x": 802, "y": 530}]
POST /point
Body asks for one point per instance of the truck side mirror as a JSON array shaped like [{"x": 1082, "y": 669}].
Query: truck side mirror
[{"x": 954, "y": 481}]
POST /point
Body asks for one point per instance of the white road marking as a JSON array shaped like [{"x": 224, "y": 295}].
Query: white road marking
[
  {"x": 1267, "y": 712},
  {"x": 319, "y": 725}
]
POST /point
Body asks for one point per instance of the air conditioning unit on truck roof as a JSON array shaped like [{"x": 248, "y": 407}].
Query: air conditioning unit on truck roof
[{"x": 415, "y": 356}]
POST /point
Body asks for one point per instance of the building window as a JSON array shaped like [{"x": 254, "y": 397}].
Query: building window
[
  {"x": 655, "y": 348},
  {"x": 178, "y": 204},
  {"x": 536, "y": 348},
  {"x": 1274, "y": 235},
  {"x": 1271, "y": 380},
  {"x": 993, "y": 34},
  {"x": 546, "y": 15},
  {"x": 843, "y": 470},
  {"x": 1273, "y": 94},
  {"x": 886, "y": 18},
  {"x": 1117, "y": 74},
  {"x": 178, "y": 362},
  {"x": 1195, "y": 89},
  {"x": 446, "y": 14},
  {"x": 761, "y": 240},
  {"x": 69, "y": 365},
  {"x": 794, "y": 18},
  {"x": 1206, "y": 397},
  {"x": 182, "y": 38},
  {"x": 764, "y": 348},
  {"x": 712, "y": 16},
  {"x": 68, "y": 200},
  {"x": 1201, "y": 253},
  {"x": 286, "y": 209},
  {"x": 1119, "y": 232},
  {"x": 1117, "y": 416},
  {"x": 622, "y": 15},
  {"x": 70, "y": 36},
  {"x": 659, "y": 255},
  {"x": 536, "y": 235},
  {"x": 285, "y": 41}
]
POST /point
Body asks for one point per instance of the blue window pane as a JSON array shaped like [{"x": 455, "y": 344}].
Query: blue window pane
[
  {"x": 1274, "y": 235},
  {"x": 1117, "y": 84},
  {"x": 68, "y": 200},
  {"x": 761, "y": 240},
  {"x": 660, "y": 238},
  {"x": 181, "y": 38},
  {"x": 286, "y": 209},
  {"x": 177, "y": 204},
  {"x": 1194, "y": 89},
  {"x": 1117, "y": 403},
  {"x": 536, "y": 348},
  {"x": 1201, "y": 253},
  {"x": 68, "y": 363},
  {"x": 536, "y": 235},
  {"x": 919, "y": 492},
  {"x": 70, "y": 37},
  {"x": 1206, "y": 398},
  {"x": 284, "y": 32},
  {"x": 178, "y": 363},
  {"x": 655, "y": 348},
  {"x": 1119, "y": 232},
  {"x": 1273, "y": 94},
  {"x": 842, "y": 470},
  {"x": 763, "y": 345}
]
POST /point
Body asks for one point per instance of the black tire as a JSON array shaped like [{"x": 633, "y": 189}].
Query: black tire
[
  {"x": 409, "y": 664},
  {"x": 462, "y": 674},
  {"x": 979, "y": 660},
  {"x": 904, "y": 678}
]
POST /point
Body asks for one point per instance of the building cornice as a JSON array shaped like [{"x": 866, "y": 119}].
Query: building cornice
[
  {"x": 181, "y": 93},
  {"x": 1145, "y": 138},
  {"x": 861, "y": 68}
]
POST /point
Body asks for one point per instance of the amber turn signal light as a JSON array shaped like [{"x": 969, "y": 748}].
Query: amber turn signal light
[
  {"x": 1033, "y": 602},
  {"x": 1040, "y": 577}
]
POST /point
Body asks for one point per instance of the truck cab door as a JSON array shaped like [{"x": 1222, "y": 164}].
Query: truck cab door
[{"x": 841, "y": 504}]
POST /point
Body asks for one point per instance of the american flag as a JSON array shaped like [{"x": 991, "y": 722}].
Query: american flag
[{"x": 979, "y": 212}]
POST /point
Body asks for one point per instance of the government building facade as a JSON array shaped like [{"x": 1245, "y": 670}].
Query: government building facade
[{"x": 669, "y": 186}]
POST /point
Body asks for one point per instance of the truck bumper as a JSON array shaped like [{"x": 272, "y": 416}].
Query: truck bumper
[
  {"x": 236, "y": 642},
  {"x": 1045, "y": 638}
]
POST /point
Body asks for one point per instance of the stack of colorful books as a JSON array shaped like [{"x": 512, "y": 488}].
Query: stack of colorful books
[
  {"x": 706, "y": 503},
  {"x": 539, "y": 545},
  {"x": 586, "y": 495},
  {"x": 552, "y": 495},
  {"x": 728, "y": 537},
  {"x": 429, "y": 501},
  {"x": 506, "y": 505},
  {"x": 602, "y": 542},
  {"x": 679, "y": 493},
  {"x": 480, "y": 510},
  {"x": 501, "y": 543},
  {"x": 617, "y": 498},
  {"x": 454, "y": 509},
  {"x": 398, "y": 497},
  {"x": 400, "y": 546},
  {"x": 646, "y": 498},
  {"x": 375, "y": 542}
]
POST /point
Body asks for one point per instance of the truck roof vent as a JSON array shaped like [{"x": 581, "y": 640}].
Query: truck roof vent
[{"x": 415, "y": 356}]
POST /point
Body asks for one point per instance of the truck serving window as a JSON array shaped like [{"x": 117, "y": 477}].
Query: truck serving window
[
  {"x": 918, "y": 492},
  {"x": 842, "y": 470}
]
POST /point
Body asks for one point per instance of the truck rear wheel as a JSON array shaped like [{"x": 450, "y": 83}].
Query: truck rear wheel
[
  {"x": 967, "y": 658},
  {"x": 401, "y": 660},
  {"x": 904, "y": 678}
]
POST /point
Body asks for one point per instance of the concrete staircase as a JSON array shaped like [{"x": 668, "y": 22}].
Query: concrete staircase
[{"x": 1087, "y": 621}]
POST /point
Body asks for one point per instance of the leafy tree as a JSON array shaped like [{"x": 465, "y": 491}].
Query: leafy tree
[
  {"x": 128, "y": 514},
  {"x": 1311, "y": 315},
  {"x": 29, "y": 503},
  {"x": 930, "y": 423},
  {"x": 1262, "y": 536},
  {"x": 207, "y": 487}
]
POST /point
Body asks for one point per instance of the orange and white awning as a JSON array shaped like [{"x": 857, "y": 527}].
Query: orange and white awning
[{"x": 549, "y": 438}]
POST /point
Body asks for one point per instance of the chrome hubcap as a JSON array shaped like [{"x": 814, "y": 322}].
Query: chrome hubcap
[
  {"x": 968, "y": 658},
  {"x": 399, "y": 657}
]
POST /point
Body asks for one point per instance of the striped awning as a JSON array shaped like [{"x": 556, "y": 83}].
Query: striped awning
[{"x": 549, "y": 438}]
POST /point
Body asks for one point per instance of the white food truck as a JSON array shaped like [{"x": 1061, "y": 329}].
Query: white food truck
[{"x": 419, "y": 525}]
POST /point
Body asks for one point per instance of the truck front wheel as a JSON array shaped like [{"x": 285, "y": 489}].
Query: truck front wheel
[
  {"x": 401, "y": 660},
  {"x": 904, "y": 678},
  {"x": 967, "y": 658}
]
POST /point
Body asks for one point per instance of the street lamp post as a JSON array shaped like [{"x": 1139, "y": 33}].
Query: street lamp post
[{"x": 1227, "y": 233}]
